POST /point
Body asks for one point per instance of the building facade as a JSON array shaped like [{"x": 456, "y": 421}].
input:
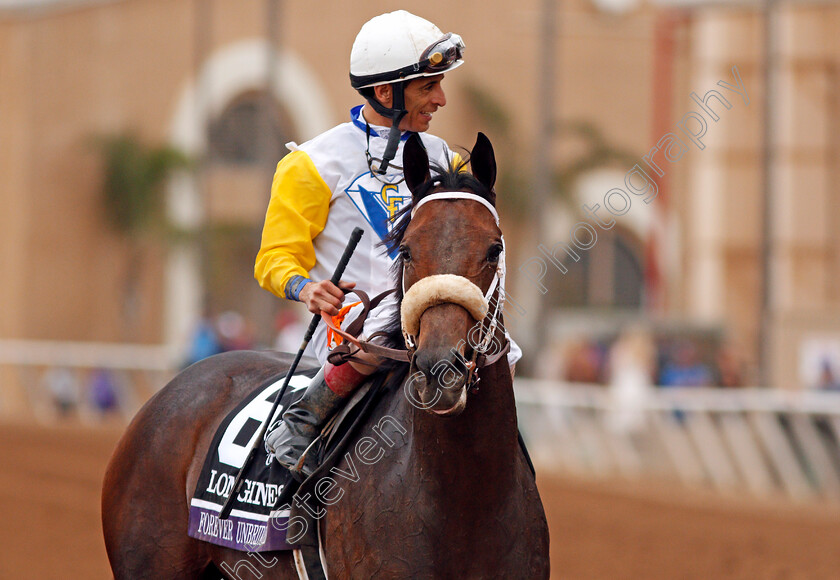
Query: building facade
[{"x": 228, "y": 82}]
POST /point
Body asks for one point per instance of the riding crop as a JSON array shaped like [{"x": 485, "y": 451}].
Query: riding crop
[{"x": 336, "y": 277}]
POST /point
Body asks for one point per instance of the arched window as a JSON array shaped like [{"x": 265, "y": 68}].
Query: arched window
[
  {"x": 608, "y": 275},
  {"x": 245, "y": 143},
  {"x": 251, "y": 130}
]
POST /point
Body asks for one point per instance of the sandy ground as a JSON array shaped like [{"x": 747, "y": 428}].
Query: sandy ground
[{"x": 602, "y": 530}]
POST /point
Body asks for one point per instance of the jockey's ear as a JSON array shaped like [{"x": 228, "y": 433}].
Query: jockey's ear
[
  {"x": 415, "y": 163},
  {"x": 483, "y": 161}
]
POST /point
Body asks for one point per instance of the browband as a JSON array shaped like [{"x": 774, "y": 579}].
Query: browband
[{"x": 457, "y": 195}]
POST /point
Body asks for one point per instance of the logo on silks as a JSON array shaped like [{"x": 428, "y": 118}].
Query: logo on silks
[{"x": 378, "y": 202}]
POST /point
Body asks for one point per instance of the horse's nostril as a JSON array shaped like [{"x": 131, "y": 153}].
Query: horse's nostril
[
  {"x": 425, "y": 361},
  {"x": 440, "y": 365}
]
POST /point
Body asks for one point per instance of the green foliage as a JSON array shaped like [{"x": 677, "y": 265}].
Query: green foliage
[{"x": 133, "y": 183}]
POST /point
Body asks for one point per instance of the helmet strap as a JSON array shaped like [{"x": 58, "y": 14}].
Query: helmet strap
[{"x": 396, "y": 114}]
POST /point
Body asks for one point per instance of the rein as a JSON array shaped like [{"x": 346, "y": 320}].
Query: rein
[{"x": 343, "y": 353}]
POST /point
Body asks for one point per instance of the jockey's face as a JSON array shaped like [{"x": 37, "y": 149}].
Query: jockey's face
[{"x": 423, "y": 96}]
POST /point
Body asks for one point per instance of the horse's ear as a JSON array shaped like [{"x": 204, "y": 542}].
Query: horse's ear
[
  {"x": 415, "y": 163},
  {"x": 483, "y": 161}
]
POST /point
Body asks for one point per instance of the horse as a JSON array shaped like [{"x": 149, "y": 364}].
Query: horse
[{"x": 454, "y": 496}]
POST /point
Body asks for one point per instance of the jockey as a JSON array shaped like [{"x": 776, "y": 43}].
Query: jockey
[{"x": 351, "y": 176}]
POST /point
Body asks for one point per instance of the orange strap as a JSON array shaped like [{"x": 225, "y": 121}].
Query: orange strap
[{"x": 336, "y": 322}]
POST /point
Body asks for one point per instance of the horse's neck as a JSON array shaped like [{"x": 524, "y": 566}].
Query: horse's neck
[{"x": 478, "y": 447}]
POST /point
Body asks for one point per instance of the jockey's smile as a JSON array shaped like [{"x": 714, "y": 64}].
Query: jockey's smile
[{"x": 423, "y": 97}]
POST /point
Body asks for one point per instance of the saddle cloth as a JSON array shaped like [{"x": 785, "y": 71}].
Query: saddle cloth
[{"x": 256, "y": 523}]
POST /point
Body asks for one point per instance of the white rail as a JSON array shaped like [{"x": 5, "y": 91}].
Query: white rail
[
  {"x": 757, "y": 440},
  {"x": 85, "y": 354},
  {"x": 51, "y": 379},
  {"x": 761, "y": 441}
]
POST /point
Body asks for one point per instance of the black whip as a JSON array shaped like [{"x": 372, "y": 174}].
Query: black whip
[{"x": 336, "y": 277}]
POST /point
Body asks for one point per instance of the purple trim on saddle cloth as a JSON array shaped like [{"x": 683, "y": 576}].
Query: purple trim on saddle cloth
[
  {"x": 250, "y": 527},
  {"x": 239, "y": 531}
]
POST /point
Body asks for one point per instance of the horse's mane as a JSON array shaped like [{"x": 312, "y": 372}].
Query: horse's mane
[{"x": 442, "y": 179}]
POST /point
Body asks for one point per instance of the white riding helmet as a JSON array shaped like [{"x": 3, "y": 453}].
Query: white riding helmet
[{"x": 399, "y": 46}]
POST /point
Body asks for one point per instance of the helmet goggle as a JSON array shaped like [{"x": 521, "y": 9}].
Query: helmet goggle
[{"x": 443, "y": 53}]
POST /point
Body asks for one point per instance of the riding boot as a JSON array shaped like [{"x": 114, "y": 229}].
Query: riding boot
[{"x": 304, "y": 419}]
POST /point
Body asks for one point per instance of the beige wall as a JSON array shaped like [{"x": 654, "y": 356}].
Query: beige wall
[
  {"x": 81, "y": 73},
  {"x": 14, "y": 145},
  {"x": 99, "y": 69},
  {"x": 722, "y": 255}
]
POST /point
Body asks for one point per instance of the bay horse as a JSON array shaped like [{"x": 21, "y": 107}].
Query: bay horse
[{"x": 453, "y": 498}]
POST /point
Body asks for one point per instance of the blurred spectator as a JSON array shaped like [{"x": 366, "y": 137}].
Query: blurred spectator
[
  {"x": 234, "y": 332},
  {"x": 205, "y": 342},
  {"x": 828, "y": 380},
  {"x": 683, "y": 368},
  {"x": 631, "y": 370},
  {"x": 290, "y": 331},
  {"x": 63, "y": 389},
  {"x": 103, "y": 391},
  {"x": 584, "y": 362},
  {"x": 729, "y": 367}
]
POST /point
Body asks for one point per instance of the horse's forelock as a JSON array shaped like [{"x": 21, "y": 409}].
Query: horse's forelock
[{"x": 442, "y": 179}]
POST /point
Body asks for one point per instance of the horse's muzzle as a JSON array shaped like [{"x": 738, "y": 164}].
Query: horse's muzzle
[{"x": 443, "y": 390}]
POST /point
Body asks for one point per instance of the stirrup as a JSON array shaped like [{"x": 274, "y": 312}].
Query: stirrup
[
  {"x": 307, "y": 463},
  {"x": 286, "y": 449}
]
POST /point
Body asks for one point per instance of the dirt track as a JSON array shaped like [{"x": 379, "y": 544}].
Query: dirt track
[{"x": 598, "y": 531}]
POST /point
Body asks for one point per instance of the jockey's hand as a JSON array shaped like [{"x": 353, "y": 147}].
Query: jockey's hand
[{"x": 324, "y": 296}]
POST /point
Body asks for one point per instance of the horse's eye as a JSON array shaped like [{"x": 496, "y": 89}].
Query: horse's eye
[
  {"x": 493, "y": 253},
  {"x": 405, "y": 254}
]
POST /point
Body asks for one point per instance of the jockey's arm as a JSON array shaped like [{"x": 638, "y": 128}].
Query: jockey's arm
[{"x": 297, "y": 213}]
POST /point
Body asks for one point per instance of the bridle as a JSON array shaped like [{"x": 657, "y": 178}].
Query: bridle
[
  {"x": 449, "y": 288},
  {"x": 431, "y": 291}
]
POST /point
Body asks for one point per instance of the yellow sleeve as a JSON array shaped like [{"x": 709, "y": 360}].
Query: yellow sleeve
[{"x": 297, "y": 213}]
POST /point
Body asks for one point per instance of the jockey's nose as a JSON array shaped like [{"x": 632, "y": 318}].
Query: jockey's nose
[{"x": 439, "y": 97}]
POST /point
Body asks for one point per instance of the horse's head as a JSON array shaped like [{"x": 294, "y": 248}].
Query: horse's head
[{"x": 450, "y": 260}]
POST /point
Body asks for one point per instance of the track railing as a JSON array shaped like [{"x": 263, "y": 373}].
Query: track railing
[
  {"x": 757, "y": 440},
  {"x": 89, "y": 381}
]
